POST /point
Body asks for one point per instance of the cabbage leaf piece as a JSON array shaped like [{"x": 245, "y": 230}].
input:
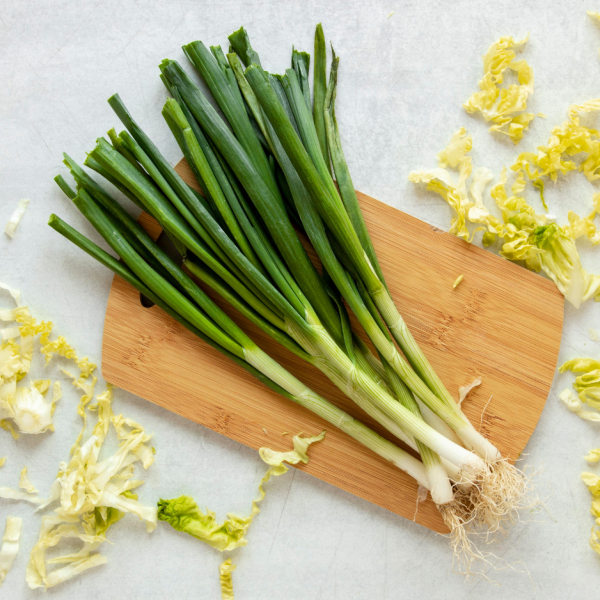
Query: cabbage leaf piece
[
  {"x": 595, "y": 540},
  {"x": 92, "y": 493},
  {"x": 588, "y": 384},
  {"x": 504, "y": 106},
  {"x": 183, "y": 514},
  {"x": 593, "y": 456},
  {"x": 454, "y": 192},
  {"x": 12, "y": 494},
  {"x": 16, "y": 217},
  {"x": 574, "y": 404},
  {"x": 593, "y": 483},
  {"x": 225, "y": 570},
  {"x": 10, "y": 546},
  {"x": 560, "y": 260},
  {"x": 25, "y": 483}
]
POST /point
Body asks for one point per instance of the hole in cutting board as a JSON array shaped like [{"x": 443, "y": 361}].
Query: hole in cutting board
[{"x": 165, "y": 243}]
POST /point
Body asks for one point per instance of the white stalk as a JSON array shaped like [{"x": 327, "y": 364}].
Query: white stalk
[
  {"x": 440, "y": 488},
  {"x": 473, "y": 439},
  {"x": 438, "y": 423},
  {"x": 334, "y": 415},
  {"x": 349, "y": 379}
]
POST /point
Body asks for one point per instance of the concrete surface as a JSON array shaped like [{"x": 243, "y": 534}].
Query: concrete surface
[{"x": 402, "y": 82}]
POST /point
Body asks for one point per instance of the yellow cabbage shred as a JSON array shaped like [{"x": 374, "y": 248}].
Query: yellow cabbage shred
[
  {"x": 454, "y": 192},
  {"x": 593, "y": 456},
  {"x": 457, "y": 281},
  {"x": 225, "y": 570},
  {"x": 25, "y": 483},
  {"x": 566, "y": 141},
  {"x": 10, "y": 545},
  {"x": 504, "y": 106},
  {"x": 526, "y": 235},
  {"x": 92, "y": 494},
  {"x": 25, "y": 409},
  {"x": 586, "y": 385},
  {"x": 593, "y": 483},
  {"x": 183, "y": 514}
]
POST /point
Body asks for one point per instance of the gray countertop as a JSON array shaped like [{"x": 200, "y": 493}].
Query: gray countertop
[{"x": 402, "y": 82}]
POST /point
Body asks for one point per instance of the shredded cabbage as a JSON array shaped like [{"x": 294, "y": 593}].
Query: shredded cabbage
[
  {"x": 16, "y": 218},
  {"x": 588, "y": 384},
  {"x": 505, "y": 107},
  {"x": 593, "y": 483},
  {"x": 572, "y": 402},
  {"x": 455, "y": 193},
  {"x": 92, "y": 494},
  {"x": 560, "y": 261},
  {"x": 184, "y": 515},
  {"x": 25, "y": 409},
  {"x": 526, "y": 235},
  {"x": 10, "y": 545},
  {"x": 12, "y": 494},
  {"x": 225, "y": 571},
  {"x": 593, "y": 456},
  {"x": 567, "y": 140},
  {"x": 25, "y": 484}
]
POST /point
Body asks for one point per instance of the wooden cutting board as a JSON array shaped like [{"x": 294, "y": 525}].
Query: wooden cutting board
[{"x": 502, "y": 323}]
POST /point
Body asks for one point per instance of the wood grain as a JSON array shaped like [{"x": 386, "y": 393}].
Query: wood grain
[{"x": 502, "y": 323}]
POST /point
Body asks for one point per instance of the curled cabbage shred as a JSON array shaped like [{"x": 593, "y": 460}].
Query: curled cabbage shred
[
  {"x": 593, "y": 456},
  {"x": 183, "y": 514},
  {"x": 10, "y": 546},
  {"x": 566, "y": 141},
  {"x": 225, "y": 570},
  {"x": 593, "y": 484},
  {"x": 25, "y": 483},
  {"x": 93, "y": 493},
  {"x": 454, "y": 190},
  {"x": 586, "y": 385},
  {"x": 504, "y": 106},
  {"x": 572, "y": 402}
]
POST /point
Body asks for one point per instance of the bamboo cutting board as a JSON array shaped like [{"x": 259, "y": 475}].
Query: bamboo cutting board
[{"x": 502, "y": 323}]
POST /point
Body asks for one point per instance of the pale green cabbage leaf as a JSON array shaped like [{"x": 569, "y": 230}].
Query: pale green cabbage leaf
[{"x": 183, "y": 514}]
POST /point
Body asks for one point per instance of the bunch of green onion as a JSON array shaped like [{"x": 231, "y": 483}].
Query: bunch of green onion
[{"x": 268, "y": 168}]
